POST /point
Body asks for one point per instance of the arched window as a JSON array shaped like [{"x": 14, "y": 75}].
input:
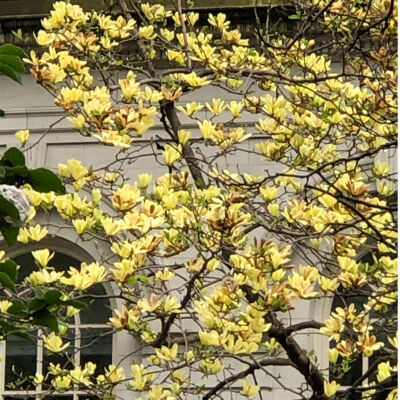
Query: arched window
[{"x": 89, "y": 336}]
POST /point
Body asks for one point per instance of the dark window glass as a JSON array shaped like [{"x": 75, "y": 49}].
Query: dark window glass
[
  {"x": 98, "y": 309},
  {"x": 20, "y": 362},
  {"x": 96, "y": 346}
]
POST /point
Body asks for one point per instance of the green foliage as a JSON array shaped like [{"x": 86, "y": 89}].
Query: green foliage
[{"x": 13, "y": 171}]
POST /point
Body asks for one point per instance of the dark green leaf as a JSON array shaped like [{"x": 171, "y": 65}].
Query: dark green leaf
[
  {"x": 17, "y": 308},
  {"x": 5, "y": 327},
  {"x": 14, "y": 62},
  {"x": 43, "y": 180},
  {"x": 45, "y": 318},
  {"x": 2, "y": 113},
  {"x": 52, "y": 297},
  {"x": 14, "y": 156},
  {"x": 10, "y": 72},
  {"x": 10, "y": 268},
  {"x": 6, "y": 281},
  {"x": 10, "y": 232},
  {"x": 36, "y": 305},
  {"x": 13, "y": 50},
  {"x": 8, "y": 209},
  {"x": 74, "y": 303}
]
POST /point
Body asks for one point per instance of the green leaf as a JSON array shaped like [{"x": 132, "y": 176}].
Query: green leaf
[
  {"x": 2, "y": 113},
  {"x": 14, "y": 62},
  {"x": 10, "y": 232},
  {"x": 5, "y": 327},
  {"x": 13, "y": 50},
  {"x": 53, "y": 297},
  {"x": 6, "y": 281},
  {"x": 10, "y": 72},
  {"x": 19, "y": 170},
  {"x": 136, "y": 278},
  {"x": 10, "y": 268},
  {"x": 74, "y": 303},
  {"x": 17, "y": 308},
  {"x": 45, "y": 318},
  {"x": 8, "y": 209},
  {"x": 14, "y": 156},
  {"x": 36, "y": 305},
  {"x": 43, "y": 180}
]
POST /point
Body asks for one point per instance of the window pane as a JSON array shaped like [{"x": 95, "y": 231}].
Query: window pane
[
  {"x": 96, "y": 346},
  {"x": 20, "y": 363},
  {"x": 98, "y": 310}
]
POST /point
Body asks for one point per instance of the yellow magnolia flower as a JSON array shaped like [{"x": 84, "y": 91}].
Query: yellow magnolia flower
[
  {"x": 126, "y": 197},
  {"x": 42, "y": 256},
  {"x": 273, "y": 209},
  {"x": 165, "y": 275},
  {"x": 393, "y": 340},
  {"x": 38, "y": 379},
  {"x": 381, "y": 169},
  {"x": 142, "y": 378},
  {"x": 34, "y": 233},
  {"x": 171, "y": 305},
  {"x": 217, "y": 106},
  {"x": 330, "y": 388},
  {"x": 147, "y": 32},
  {"x": 235, "y": 107},
  {"x": 211, "y": 366},
  {"x": 249, "y": 389},
  {"x": 5, "y": 305},
  {"x": 190, "y": 108},
  {"x": 183, "y": 136},
  {"x": 384, "y": 371},
  {"x": 167, "y": 354},
  {"x": 145, "y": 180},
  {"x": 44, "y": 276},
  {"x": 77, "y": 122},
  {"x": 114, "y": 374},
  {"x": 54, "y": 343},
  {"x": 171, "y": 154},
  {"x": 328, "y": 285},
  {"x": 209, "y": 338},
  {"x": 333, "y": 355},
  {"x": 62, "y": 382},
  {"x": 269, "y": 193},
  {"x": 149, "y": 306},
  {"x": 22, "y": 135}
]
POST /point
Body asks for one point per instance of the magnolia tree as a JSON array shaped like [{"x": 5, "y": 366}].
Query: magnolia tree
[{"x": 202, "y": 258}]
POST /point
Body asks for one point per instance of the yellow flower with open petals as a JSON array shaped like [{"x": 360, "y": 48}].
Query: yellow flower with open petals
[
  {"x": 42, "y": 256},
  {"x": 54, "y": 343},
  {"x": 249, "y": 389},
  {"x": 171, "y": 154},
  {"x": 5, "y": 305}
]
